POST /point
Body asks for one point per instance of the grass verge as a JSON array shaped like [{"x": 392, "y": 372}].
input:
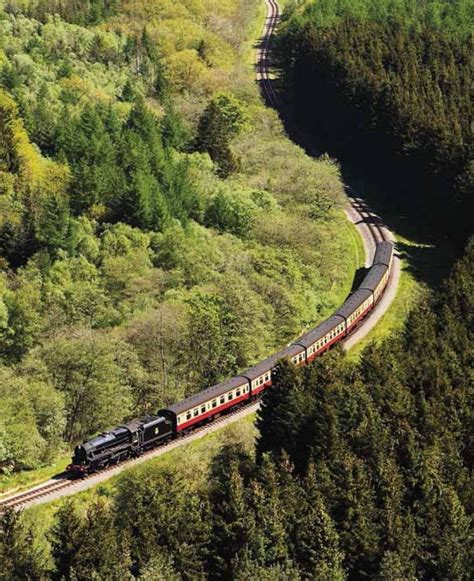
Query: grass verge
[{"x": 19, "y": 481}]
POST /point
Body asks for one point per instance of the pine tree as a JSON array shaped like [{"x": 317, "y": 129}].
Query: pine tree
[
  {"x": 316, "y": 540},
  {"x": 101, "y": 551},
  {"x": 233, "y": 525},
  {"x": 159, "y": 568},
  {"x": 222, "y": 119},
  {"x": 66, "y": 539},
  {"x": 269, "y": 545},
  {"x": 275, "y": 418},
  {"x": 20, "y": 555},
  {"x": 43, "y": 122},
  {"x": 52, "y": 226}
]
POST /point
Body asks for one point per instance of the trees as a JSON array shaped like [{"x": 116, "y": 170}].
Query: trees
[
  {"x": 32, "y": 421},
  {"x": 66, "y": 537},
  {"x": 19, "y": 553},
  {"x": 354, "y": 72},
  {"x": 87, "y": 371},
  {"x": 381, "y": 448},
  {"x": 85, "y": 547},
  {"x": 158, "y": 514},
  {"x": 367, "y": 474},
  {"x": 53, "y": 226},
  {"x": 223, "y": 119},
  {"x": 316, "y": 540}
]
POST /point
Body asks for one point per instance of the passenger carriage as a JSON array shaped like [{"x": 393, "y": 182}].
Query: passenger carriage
[{"x": 322, "y": 337}]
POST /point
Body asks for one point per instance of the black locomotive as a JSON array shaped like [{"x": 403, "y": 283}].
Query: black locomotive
[{"x": 123, "y": 442}]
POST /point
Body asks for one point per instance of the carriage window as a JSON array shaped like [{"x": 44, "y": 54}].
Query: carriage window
[
  {"x": 214, "y": 403},
  {"x": 222, "y": 400},
  {"x": 203, "y": 409},
  {"x": 237, "y": 393},
  {"x": 196, "y": 412},
  {"x": 230, "y": 396},
  {"x": 188, "y": 416},
  {"x": 261, "y": 380},
  {"x": 179, "y": 419}
]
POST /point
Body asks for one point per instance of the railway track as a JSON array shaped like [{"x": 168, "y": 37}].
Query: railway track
[
  {"x": 65, "y": 485},
  {"x": 374, "y": 224},
  {"x": 371, "y": 229}
]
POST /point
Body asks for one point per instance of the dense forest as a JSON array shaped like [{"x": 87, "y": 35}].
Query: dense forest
[
  {"x": 361, "y": 471},
  {"x": 387, "y": 86},
  {"x": 158, "y": 232}
]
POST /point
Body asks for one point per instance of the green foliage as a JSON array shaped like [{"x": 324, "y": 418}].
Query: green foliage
[
  {"x": 456, "y": 18},
  {"x": 125, "y": 258},
  {"x": 382, "y": 447},
  {"x": 361, "y": 471},
  {"x": 89, "y": 12},
  {"x": 234, "y": 210},
  {"x": 87, "y": 371},
  {"x": 32, "y": 421},
  {"x": 19, "y": 553},
  {"x": 66, "y": 539},
  {"x": 385, "y": 86},
  {"x": 223, "y": 119},
  {"x": 156, "y": 512}
]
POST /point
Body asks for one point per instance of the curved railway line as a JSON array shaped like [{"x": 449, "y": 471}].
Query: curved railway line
[{"x": 371, "y": 230}]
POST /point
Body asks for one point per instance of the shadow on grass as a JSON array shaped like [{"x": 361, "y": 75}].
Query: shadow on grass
[{"x": 428, "y": 253}]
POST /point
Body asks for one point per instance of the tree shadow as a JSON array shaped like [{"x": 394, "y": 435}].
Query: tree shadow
[
  {"x": 427, "y": 264},
  {"x": 428, "y": 253}
]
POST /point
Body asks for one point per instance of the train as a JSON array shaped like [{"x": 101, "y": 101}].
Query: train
[{"x": 133, "y": 438}]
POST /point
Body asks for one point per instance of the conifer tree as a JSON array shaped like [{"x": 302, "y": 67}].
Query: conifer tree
[
  {"x": 275, "y": 419},
  {"x": 101, "y": 551},
  {"x": 222, "y": 119},
  {"x": 269, "y": 545},
  {"x": 316, "y": 540},
  {"x": 66, "y": 539},
  {"x": 233, "y": 524},
  {"x": 20, "y": 555},
  {"x": 53, "y": 224}
]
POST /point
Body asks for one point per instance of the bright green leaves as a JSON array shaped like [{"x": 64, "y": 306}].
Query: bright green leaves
[
  {"x": 96, "y": 388},
  {"x": 32, "y": 421}
]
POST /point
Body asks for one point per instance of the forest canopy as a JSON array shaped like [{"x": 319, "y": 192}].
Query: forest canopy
[
  {"x": 360, "y": 470},
  {"x": 387, "y": 86}
]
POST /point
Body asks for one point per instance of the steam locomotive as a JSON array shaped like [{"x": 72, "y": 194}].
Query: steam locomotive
[{"x": 135, "y": 437}]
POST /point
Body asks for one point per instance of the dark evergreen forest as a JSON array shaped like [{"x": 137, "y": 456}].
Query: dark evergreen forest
[{"x": 387, "y": 87}]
